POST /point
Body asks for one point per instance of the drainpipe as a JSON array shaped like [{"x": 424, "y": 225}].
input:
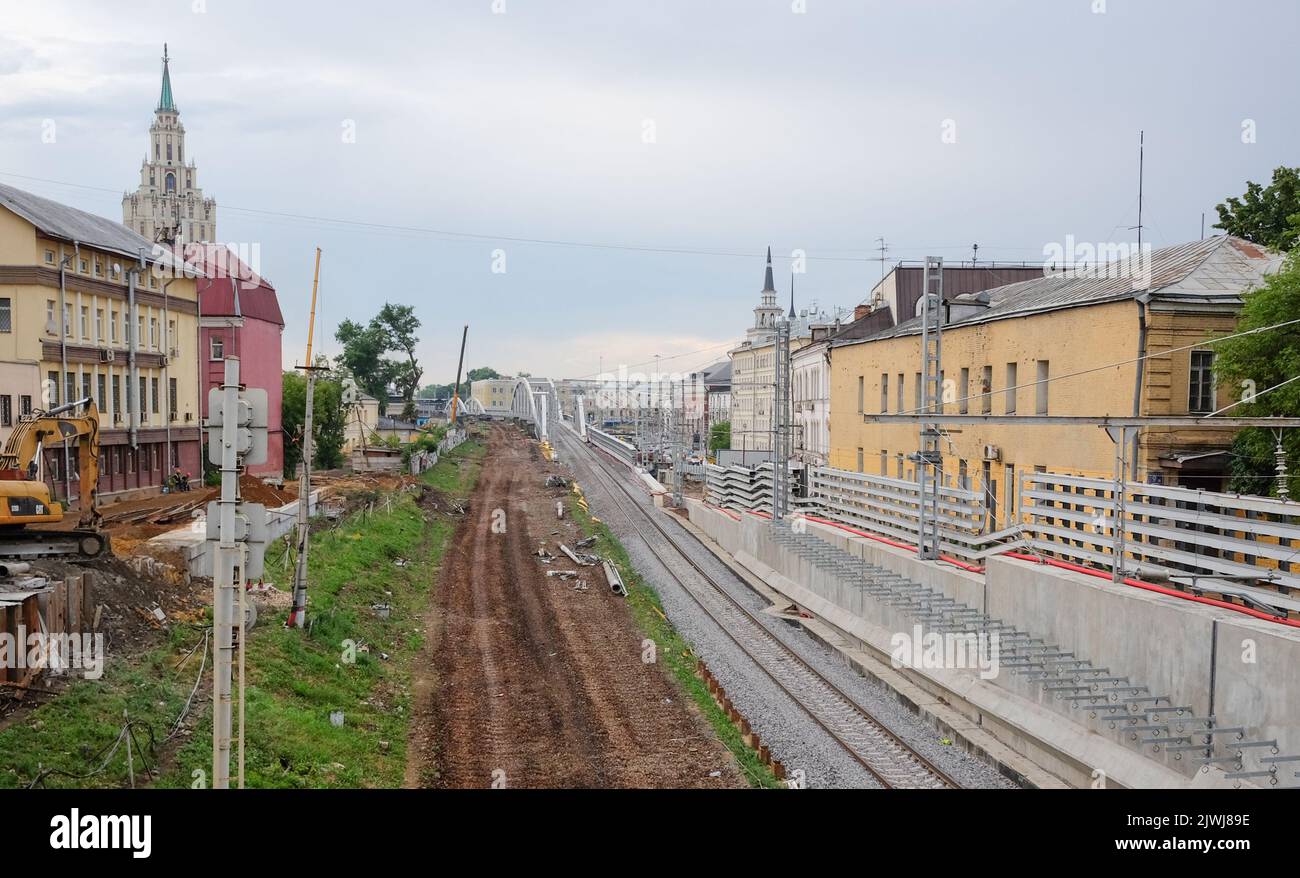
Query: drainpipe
[
  {"x": 1137, "y": 385},
  {"x": 63, "y": 358},
  {"x": 133, "y": 380},
  {"x": 167, "y": 384}
]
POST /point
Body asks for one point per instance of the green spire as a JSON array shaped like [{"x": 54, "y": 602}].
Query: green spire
[{"x": 165, "y": 102}]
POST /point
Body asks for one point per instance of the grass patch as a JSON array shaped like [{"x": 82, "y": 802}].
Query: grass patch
[
  {"x": 295, "y": 678},
  {"x": 674, "y": 652}
]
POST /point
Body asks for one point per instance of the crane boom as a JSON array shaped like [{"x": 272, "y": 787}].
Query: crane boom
[{"x": 455, "y": 388}]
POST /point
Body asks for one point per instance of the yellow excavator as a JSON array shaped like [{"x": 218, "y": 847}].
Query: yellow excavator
[{"x": 28, "y": 518}]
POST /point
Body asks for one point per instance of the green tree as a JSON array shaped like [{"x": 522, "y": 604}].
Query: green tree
[
  {"x": 399, "y": 326},
  {"x": 720, "y": 436},
  {"x": 329, "y": 420},
  {"x": 363, "y": 357},
  {"x": 1267, "y": 215},
  {"x": 1255, "y": 363}
]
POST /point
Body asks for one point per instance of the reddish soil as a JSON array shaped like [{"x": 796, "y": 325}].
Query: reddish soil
[{"x": 530, "y": 682}]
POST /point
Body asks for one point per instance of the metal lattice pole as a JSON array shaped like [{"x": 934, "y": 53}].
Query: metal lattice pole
[
  {"x": 781, "y": 423},
  {"x": 929, "y": 459}
]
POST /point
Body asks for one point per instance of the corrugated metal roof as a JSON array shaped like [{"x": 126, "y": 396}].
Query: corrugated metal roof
[
  {"x": 65, "y": 223},
  {"x": 1217, "y": 270}
]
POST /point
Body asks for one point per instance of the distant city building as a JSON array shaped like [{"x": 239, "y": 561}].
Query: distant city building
[
  {"x": 900, "y": 290},
  {"x": 496, "y": 395},
  {"x": 753, "y": 366},
  {"x": 168, "y": 206}
]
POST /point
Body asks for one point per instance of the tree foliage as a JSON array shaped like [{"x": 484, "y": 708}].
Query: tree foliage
[
  {"x": 393, "y": 330},
  {"x": 329, "y": 420},
  {"x": 1254, "y": 363},
  {"x": 720, "y": 436},
  {"x": 1267, "y": 215}
]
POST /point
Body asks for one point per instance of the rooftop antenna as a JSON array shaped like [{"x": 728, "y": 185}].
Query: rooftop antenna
[
  {"x": 1141, "y": 160},
  {"x": 883, "y": 248},
  {"x": 974, "y": 254}
]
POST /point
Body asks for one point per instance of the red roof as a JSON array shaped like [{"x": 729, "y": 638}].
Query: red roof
[{"x": 226, "y": 275}]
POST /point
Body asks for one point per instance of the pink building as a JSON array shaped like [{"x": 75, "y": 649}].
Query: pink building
[{"x": 239, "y": 316}]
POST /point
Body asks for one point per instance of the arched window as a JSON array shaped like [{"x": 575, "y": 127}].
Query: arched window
[{"x": 171, "y": 183}]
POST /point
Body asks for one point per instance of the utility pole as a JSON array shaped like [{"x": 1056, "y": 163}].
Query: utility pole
[
  {"x": 929, "y": 460},
  {"x": 236, "y": 436},
  {"x": 298, "y": 615},
  {"x": 781, "y": 422}
]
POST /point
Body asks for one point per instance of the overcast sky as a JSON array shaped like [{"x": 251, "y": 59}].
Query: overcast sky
[{"x": 648, "y": 126}]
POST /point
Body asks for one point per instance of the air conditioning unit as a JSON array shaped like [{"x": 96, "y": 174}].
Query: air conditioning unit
[
  {"x": 107, "y": 355},
  {"x": 992, "y": 452},
  {"x": 117, "y": 417},
  {"x": 51, "y": 328},
  {"x": 189, "y": 416},
  {"x": 162, "y": 360}
]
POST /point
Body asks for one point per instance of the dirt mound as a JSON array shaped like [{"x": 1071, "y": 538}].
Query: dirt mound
[{"x": 254, "y": 490}]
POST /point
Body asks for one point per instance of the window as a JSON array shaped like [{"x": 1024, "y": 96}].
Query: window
[
  {"x": 171, "y": 398},
  {"x": 1200, "y": 388},
  {"x": 85, "y": 322},
  {"x": 1044, "y": 372},
  {"x": 1011, "y": 388},
  {"x": 99, "y": 326},
  {"x": 153, "y": 386},
  {"x": 49, "y": 316},
  {"x": 986, "y": 391},
  {"x": 101, "y": 386},
  {"x": 884, "y": 461},
  {"x": 49, "y": 257},
  {"x": 6, "y": 315},
  {"x": 85, "y": 385},
  {"x": 112, "y": 327},
  {"x": 171, "y": 335},
  {"x": 860, "y": 462},
  {"x": 6, "y": 410},
  {"x": 899, "y": 395},
  {"x": 24, "y": 405},
  {"x": 117, "y": 397},
  {"x": 963, "y": 475},
  {"x": 83, "y": 266},
  {"x": 884, "y": 398},
  {"x": 218, "y": 344},
  {"x": 861, "y": 393},
  {"x": 153, "y": 333},
  {"x": 70, "y": 386},
  {"x": 963, "y": 392},
  {"x": 141, "y": 401},
  {"x": 171, "y": 180},
  {"x": 67, "y": 318},
  {"x": 99, "y": 268},
  {"x": 918, "y": 402},
  {"x": 899, "y": 460}
]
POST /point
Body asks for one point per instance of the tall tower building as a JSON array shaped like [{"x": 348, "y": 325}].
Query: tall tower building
[
  {"x": 768, "y": 311},
  {"x": 169, "y": 206}
]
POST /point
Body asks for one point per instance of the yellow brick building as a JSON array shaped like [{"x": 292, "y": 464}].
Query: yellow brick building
[
  {"x": 87, "y": 309},
  {"x": 1041, "y": 331}
]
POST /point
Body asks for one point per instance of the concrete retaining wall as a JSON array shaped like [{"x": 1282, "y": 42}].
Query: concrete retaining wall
[{"x": 1197, "y": 655}]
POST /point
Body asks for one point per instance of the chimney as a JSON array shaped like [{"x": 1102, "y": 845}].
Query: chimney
[{"x": 861, "y": 311}]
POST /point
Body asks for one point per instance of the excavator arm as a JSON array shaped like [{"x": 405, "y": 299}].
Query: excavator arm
[{"x": 38, "y": 430}]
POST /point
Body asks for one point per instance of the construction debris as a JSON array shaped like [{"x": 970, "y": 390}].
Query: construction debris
[
  {"x": 557, "y": 481},
  {"x": 589, "y": 541},
  {"x": 582, "y": 560},
  {"x": 614, "y": 579},
  {"x": 562, "y": 574}
]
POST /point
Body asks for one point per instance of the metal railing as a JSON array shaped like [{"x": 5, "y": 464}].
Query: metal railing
[
  {"x": 1181, "y": 533},
  {"x": 892, "y": 507}
]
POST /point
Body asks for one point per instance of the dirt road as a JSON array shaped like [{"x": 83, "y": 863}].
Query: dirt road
[{"x": 535, "y": 683}]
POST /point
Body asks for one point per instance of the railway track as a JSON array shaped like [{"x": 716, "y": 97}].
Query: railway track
[{"x": 885, "y": 756}]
